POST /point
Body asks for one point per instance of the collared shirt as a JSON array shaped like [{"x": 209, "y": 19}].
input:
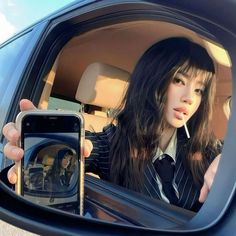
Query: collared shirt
[{"x": 171, "y": 151}]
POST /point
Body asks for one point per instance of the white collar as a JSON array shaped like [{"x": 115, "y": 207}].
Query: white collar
[{"x": 170, "y": 149}]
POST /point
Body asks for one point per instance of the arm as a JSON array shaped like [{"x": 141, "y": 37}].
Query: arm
[
  {"x": 209, "y": 178},
  {"x": 98, "y": 161}
]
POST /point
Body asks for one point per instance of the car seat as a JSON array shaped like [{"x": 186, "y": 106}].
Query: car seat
[{"x": 103, "y": 86}]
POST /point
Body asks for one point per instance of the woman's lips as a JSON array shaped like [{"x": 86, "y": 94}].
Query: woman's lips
[
  {"x": 178, "y": 115},
  {"x": 179, "y": 112},
  {"x": 182, "y": 110}
]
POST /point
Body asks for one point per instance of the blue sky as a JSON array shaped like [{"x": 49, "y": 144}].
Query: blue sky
[{"x": 15, "y": 15}]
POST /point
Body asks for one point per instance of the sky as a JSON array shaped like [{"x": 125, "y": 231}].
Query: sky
[{"x": 16, "y": 15}]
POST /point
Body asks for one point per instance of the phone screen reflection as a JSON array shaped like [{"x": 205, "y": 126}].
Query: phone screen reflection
[{"x": 51, "y": 168}]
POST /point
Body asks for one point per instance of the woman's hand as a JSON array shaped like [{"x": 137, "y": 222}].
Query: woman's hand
[
  {"x": 88, "y": 147},
  {"x": 208, "y": 179},
  {"x": 14, "y": 152},
  {"x": 11, "y": 149}
]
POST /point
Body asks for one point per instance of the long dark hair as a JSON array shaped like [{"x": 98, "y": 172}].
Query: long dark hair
[
  {"x": 56, "y": 167},
  {"x": 141, "y": 119}
]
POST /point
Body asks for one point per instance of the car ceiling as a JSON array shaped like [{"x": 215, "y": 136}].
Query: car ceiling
[{"x": 121, "y": 45}]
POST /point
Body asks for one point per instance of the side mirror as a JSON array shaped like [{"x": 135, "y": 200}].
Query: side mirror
[{"x": 51, "y": 174}]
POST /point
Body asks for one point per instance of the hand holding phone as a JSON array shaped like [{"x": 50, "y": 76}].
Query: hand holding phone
[{"x": 52, "y": 169}]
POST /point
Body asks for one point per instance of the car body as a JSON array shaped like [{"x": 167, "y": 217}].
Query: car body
[{"x": 45, "y": 63}]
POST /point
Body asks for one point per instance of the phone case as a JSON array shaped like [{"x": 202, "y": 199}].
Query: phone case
[{"x": 21, "y": 115}]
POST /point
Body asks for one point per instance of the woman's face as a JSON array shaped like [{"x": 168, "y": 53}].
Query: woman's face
[
  {"x": 184, "y": 96},
  {"x": 65, "y": 161}
]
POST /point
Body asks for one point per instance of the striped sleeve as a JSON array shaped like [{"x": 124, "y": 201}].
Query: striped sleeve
[{"x": 98, "y": 161}]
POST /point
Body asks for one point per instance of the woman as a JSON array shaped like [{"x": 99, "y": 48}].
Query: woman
[
  {"x": 58, "y": 177},
  {"x": 173, "y": 82},
  {"x": 173, "y": 78}
]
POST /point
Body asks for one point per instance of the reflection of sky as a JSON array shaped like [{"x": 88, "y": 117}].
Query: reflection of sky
[{"x": 31, "y": 141}]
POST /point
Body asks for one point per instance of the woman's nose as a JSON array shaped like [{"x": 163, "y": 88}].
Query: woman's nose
[
  {"x": 188, "y": 100},
  {"x": 188, "y": 96}
]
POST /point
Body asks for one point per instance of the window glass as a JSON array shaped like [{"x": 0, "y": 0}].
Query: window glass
[
  {"x": 8, "y": 56},
  {"x": 58, "y": 103}
]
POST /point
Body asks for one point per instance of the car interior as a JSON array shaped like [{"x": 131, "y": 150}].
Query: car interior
[
  {"x": 93, "y": 70},
  {"x": 38, "y": 164}
]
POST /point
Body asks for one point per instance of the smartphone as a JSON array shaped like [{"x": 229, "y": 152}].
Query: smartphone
[{"x": 52, "y": 169}]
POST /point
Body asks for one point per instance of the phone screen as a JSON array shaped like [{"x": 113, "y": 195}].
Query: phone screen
[{"x": 50, "y": 169}]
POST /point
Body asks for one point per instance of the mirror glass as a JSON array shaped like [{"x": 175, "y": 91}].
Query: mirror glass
[
  {"x": 51, "y": 169},
  {"x": 113, "y": 48},
  {"x": 120, "y": 46},
  {"x": 40, "y": 167}
]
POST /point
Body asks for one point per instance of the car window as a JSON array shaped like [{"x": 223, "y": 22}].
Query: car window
[
  {"x": 63, "y": 104},
  {"x": 9, "y": 53}
]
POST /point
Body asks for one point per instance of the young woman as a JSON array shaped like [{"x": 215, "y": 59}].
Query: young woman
[
  {"x": 172, "y": 83},
  {"x": 58, "y": 177}
]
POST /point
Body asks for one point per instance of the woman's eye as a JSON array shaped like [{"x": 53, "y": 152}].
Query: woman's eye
[
  {"x": 199, "y": 91},
  {"x": 177, "y": 80}
]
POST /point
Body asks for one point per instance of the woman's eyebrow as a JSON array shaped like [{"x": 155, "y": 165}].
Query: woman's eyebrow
[
  {"x": 185, "y": 75},
  {"x": 201, "y": 83}
]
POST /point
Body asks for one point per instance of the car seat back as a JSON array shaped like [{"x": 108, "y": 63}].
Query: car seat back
[{"x": 102, "y": 86}]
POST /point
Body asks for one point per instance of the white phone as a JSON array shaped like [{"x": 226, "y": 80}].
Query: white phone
[{"x": 52, "y": 169}]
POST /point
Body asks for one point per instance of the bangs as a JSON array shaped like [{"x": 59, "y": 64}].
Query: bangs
[{"x": 193, "y": 70}]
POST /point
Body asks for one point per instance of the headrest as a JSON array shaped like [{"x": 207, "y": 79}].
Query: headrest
[
  {"x": 48, "y": 160},
  {"x": 102, "y": 85}
]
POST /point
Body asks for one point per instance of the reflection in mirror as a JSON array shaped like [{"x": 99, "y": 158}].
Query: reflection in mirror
[
  {"x": 112, "y": 50},
  {"x": 113, "y": 47},
  {"x": 50, "y": 171}
]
